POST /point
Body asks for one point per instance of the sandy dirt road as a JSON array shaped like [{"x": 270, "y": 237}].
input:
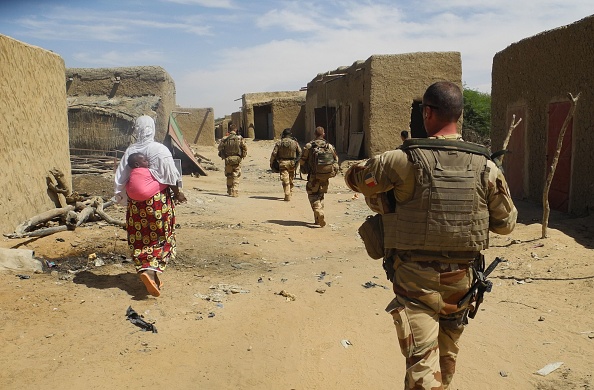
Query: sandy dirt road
[{"x": 224, "y": 323}]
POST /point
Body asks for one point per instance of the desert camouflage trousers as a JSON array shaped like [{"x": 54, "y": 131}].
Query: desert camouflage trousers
[
  {"x": 315, "y": 193},
  {"x": 287, "y": 175},
  {"x": 427, "y": 319},
  {"x": 233, "y": 173}
]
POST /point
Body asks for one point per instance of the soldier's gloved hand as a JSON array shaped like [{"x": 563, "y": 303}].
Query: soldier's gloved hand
[{"x": 497, "y": 158}]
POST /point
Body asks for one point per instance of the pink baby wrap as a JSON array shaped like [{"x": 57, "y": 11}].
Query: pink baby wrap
[{"x": 142, "y": 185}]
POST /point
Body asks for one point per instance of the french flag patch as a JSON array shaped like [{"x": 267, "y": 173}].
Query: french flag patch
[{"x": 370, "y": 180}]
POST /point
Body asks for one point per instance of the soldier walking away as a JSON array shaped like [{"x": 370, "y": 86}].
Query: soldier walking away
[
  {"x": 448, "y": 195},
  {"x": 320, "y": 162},
  {"x": 284, "y": 158},
  {"x": 233, "y": 149}
]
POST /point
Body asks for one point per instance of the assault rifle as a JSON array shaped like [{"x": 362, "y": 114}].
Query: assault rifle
[{"x": 480, "y": 286}]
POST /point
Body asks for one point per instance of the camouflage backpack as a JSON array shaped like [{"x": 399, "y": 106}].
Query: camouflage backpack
[
  {"x": 321, "y": 160},
  {"x": 232, "y": 146}
]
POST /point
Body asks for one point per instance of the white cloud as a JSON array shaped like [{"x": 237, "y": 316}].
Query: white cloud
[
  {"x": 346, "y": 32},
  {"x": 116, "y": 58},
  {"x": 58, "y": 30},
  {"x": 71, "y": 24},
  {"x": 226, "y": 4}
]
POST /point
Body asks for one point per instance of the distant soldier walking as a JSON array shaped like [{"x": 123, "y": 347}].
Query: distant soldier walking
[
  {"x": 232, "y": 149},
  {"x": 320, "y": 162},
  {"x": 284, "y": 158}
]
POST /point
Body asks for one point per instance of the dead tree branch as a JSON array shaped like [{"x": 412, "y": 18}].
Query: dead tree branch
[
  {"x": 30, "y": 224},
  {"x": 512, "y": 126},
  {"x": 71, "y": 219}
]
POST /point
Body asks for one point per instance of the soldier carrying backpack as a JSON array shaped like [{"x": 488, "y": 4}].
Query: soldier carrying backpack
[
  {"x": 320, "y": 162},
  {"x": 233, "y": 149},
  {"x": 284, "y": 158}
]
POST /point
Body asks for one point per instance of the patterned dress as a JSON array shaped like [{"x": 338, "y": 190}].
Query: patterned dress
[{"x": 150, "y": 225}]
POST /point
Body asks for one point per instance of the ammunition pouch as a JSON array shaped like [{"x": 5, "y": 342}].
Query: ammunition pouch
[
  {"x": 232, "y": 160},
  {"x": 372, "y": 234},
  {"x": 388, "y": 265},
  {"x": 454, "y": 321}
]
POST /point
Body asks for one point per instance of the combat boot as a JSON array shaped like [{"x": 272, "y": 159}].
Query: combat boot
[
  {"x": 321, "y": 221},
  {"x": 235, "y": 193},
  {"x": 287, "y": 198}
]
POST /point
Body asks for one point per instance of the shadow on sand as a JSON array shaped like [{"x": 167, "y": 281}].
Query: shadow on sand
[
  {"x": 267, "y": 197},
  {"x": 292, "y": 223},
  {"x": 128, "y": 282}
]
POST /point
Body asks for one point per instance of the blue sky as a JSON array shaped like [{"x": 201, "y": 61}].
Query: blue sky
[{"x": 217, "y": 50}]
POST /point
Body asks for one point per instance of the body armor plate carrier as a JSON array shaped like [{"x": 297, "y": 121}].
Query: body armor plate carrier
[
  {"x": 448, "y": 211},
  {"x": 287, "y": 149},
  {"x": 232, "y": 146}
]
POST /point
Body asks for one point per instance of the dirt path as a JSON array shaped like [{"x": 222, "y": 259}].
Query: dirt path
[{"x": 222, "y": 321}]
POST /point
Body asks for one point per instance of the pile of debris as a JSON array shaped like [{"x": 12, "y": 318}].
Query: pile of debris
[{"x": 73, "y": 211}]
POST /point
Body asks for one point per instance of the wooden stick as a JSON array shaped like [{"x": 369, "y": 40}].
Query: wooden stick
[
  {"x": 107, "y": 218},
  {"x": 59, "y": 175},
  {"x": 52, "y": 184},
  {"x": 39, "y": 232},
  {"x": 512, "y": 126},
  {"x": 41, "y": 218},
  {"x": 545, "y": 194},
  {"x": 84, "y": 215}
]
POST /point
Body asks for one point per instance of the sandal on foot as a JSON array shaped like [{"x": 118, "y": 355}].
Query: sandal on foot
[{"x": 150, "y": 285}]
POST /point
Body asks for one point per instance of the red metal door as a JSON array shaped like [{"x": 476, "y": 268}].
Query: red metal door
[
  {"x": 559, "y": 191},
  {"x": 513, "y": 162}
]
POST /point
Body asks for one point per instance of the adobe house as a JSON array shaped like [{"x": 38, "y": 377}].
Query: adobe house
[
  {"x": 222, "y": 126},
  {"x": 237, "y": 120},
  {"x": 33, "y": 129},
  {"x": 531, "y": 79},
  {"x": 365, "y": 106},
  {"x": 272, "y": 112},
  {"x": 196, "y": 124},
  {"x": 104, "y": 102}
]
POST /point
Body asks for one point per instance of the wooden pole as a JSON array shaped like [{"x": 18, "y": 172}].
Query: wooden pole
[
  {"x": 512, "y": 126},
  {"x": 545, "y": 195}
]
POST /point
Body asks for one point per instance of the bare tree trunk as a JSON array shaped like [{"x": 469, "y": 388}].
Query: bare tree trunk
[
  {"x": 545, "y": 195},
  {"x": 512, "y": 126},
  {"x": 41, "y": 232},
  {"x": 42, "y": 218}
]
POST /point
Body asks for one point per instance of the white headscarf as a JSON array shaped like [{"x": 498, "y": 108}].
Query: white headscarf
[{"x": 159, "y": 158}]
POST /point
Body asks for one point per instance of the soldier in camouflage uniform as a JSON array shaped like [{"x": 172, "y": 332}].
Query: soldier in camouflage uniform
[
  {"x": 317, "y": 183},
  {"x": 232, "y": 149},
  {"x": 439, "y": 198},
  {"x": 286, "y": 153}
]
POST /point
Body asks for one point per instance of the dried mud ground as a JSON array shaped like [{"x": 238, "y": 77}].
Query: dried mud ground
[{"x": 226, "y": 320}]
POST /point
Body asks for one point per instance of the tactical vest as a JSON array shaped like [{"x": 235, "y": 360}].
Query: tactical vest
[
  {"x": 232, "y": 146},
  {"x": 448, "y": 210},
  {"x": 287, "y": 149}
]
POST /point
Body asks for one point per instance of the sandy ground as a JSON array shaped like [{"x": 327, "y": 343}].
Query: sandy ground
[{"x": 224, "y": 323}]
